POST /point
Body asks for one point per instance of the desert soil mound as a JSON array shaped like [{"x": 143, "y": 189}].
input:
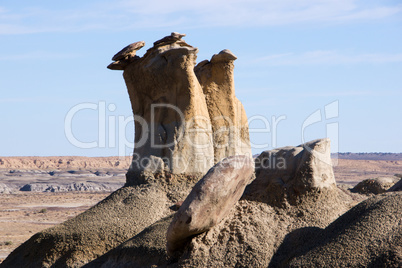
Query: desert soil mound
[
  {"x": 375, "y": 186},
  {"x": 146, "y": 249},
  {"x": 248, "y": 237},
  {"x": 119, "y": 217},
  {"x": 257, "y": 235},
  {"x": 368, "y": 235}
]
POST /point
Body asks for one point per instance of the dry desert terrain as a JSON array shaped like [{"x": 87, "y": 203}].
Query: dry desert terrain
[{"x": 23, "y": 213}]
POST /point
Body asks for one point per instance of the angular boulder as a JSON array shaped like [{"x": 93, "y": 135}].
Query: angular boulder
[
  {"x": 125, "y": 56},
  {"x": 210, "y": 200},
  {"x": 286, "y": 173}
]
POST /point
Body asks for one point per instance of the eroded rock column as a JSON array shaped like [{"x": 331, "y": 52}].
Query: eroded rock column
[
  {"x": 228, "y": 117},
  {"x": 184, "y": 123}
]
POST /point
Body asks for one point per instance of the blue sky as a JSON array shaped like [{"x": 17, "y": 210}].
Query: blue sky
[{"x": 341, "y": 60}]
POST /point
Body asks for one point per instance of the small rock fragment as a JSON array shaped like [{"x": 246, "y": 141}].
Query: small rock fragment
[
  {"x": 224, "y": 55},
  {"x": 173, "y": 37},
  {"x": 128, "y": 51}
]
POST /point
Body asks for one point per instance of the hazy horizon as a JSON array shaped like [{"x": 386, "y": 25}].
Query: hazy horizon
[{"x": 305, "y": 70}]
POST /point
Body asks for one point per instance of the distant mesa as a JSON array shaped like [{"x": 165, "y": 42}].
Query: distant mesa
[{"x": 370, "y": 156}]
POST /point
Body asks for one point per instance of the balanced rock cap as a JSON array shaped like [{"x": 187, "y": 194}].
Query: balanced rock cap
[
  {"x": 128, "y": 51},
  {"x": 173, "y": 37},
  {"x": 224, "y": 55}
]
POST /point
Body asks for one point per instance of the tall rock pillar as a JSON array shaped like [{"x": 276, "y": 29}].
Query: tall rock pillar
[{"x": 184, "y": 123}]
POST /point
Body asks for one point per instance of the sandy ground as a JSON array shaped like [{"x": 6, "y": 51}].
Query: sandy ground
[
  {"x": 354, "y": 171},
  {"x": 23, "y": 214}
]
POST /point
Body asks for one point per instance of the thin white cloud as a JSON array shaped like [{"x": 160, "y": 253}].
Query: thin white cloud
[
  {"x": 326, "y": 57},
  {"x": 126, "y": 14}
]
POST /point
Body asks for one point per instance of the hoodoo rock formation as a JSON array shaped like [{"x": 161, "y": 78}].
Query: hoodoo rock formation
[
  {"x": 186, "y": 119},
  {"x": 229, "y": 120},
  {"x": 188, "y": 116}
]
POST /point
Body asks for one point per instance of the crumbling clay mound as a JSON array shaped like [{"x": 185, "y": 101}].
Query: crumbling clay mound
[
  {"x": 368, "y": 235},
  {"x": 119, "y": 217},
  {"x": 146, "y": 249},
  {"x": 375, "y": 186},
  {"x": 280, "y": 200},
  {"x": 257, "y": 235}
]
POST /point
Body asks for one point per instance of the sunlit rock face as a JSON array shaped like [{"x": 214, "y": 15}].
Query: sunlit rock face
[
  {"x": 187, "y": 116},
  {"x": 229, "y": 120},
  {"x": 287, "y": 174}
]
